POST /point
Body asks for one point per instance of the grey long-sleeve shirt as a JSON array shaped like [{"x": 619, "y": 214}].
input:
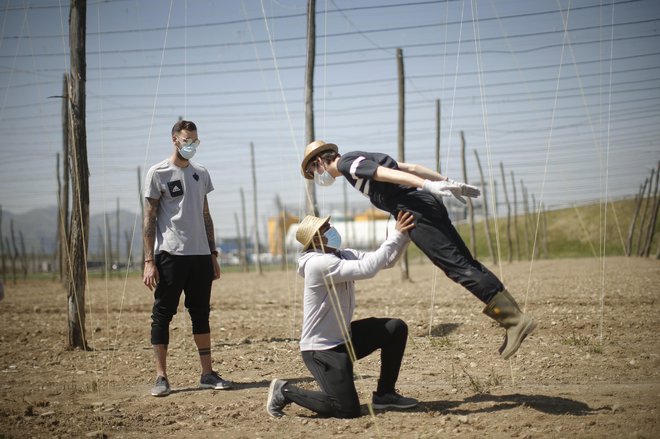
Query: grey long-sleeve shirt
[{"x": 327, "y": 316}]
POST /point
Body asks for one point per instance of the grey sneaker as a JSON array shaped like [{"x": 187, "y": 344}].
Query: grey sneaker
[
  {"x": 393, "y": 400},
  {"x": 214, "y": 381},
  {"x": 161, "y": 388},
  {"x": 276, "y": 400}
]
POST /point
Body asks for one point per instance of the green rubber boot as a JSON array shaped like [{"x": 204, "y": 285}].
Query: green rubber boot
[{"x": 504, "y": 310}]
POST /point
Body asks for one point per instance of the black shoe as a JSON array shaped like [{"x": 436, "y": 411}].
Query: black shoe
[{"x": 393, "y": 400}]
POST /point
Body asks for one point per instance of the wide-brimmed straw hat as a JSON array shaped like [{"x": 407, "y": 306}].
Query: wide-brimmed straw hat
[
  {"x": 311, "y": 151},
  {"x": 308, "y": 228}
]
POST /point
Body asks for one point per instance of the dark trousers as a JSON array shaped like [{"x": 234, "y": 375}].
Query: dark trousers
[
  {"x": 437, "y": 238},
  {"x": 333, "y": 368},
  {"x": 190, "y": 274}
]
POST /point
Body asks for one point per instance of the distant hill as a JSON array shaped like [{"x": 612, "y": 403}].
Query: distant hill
[{"x": 39, "y": 228}]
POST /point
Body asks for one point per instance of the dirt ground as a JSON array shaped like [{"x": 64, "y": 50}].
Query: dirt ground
[{"x": 592, "y": 368}]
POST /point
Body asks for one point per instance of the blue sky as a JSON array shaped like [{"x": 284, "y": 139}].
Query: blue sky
[{"x": 573, "y": 114}]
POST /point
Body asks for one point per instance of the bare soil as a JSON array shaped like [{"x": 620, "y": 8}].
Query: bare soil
[{"x": 591, "y": 370}]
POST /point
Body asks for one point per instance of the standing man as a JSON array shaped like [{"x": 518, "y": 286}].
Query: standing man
[
  {"x": 405, "y": 187},
  {"x": 179, "y": 252},
  {"x": 330, "y": 342}
]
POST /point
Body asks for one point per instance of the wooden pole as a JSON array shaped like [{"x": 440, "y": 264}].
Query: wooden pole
[
  {"x": 633, "y": 221},
  {"x": 525, "y": 200},
  {"x": 473, "y": 240},
  {"x": 257, "y": 249},
  {"x": 280, "y": 230},
  {"x": 508, "y": 216},
  {"x": 129, "y": 245},
  {"x": 405, "y": 273},
  {"x": 312, "y": 207},
  {"x": 14, "y": 253},
  {"x": 24, "y": 256},
  {"x": 246, "y": 266},
  {"x": 346, "y": 217},
  {"x": 63, "y": 195},
  {"x": 141, "y": 199},
  {"x": 515, "y": 215},
  {"x": 2, "y": 251},
  {"x": 239, "y": 239},
  {"x": 117, "y": 255},
  {"x": 437, "y": 136},
  {"x": 533, "y": 227},
  {"x": 484, "y": 205},
  {"x": 107, "y": 246},
  {"x": 11, "y": 258},
  {"x": 654, "y": 217},
  {"x": 544, "y": 231},
  {"x": 642, "y": 225},
  {"x": 79, "y": 231}
]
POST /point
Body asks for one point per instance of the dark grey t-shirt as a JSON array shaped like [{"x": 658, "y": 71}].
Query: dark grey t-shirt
[{"x": 358, "y": 167}]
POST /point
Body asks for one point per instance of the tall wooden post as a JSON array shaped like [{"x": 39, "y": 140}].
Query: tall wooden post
[
  {"x": 2, "y": 251},
  {"x": 79, "y": 231},
  {"x": 515, "y": 215},
  {"x": 257, "y": 249},
  {"x": 246, "y": 265},
  {"x": 473, "y": 240},
  {"x": 63, "y": 194},
  {"x": 437, "y": 137},
  {"x": 312, "y": 207},
  {"x": 405, "y": 273},
  {"x": 484, "y": 205},
  {"x": 633, "y": 221},
  {"x": 117, "y": 251},
  {"x": 525, "y": 200},
  {"x": 508, "y": 215},
  {"x": 141, "y": 198},
  {"x": 642, "y": 224},
  {"x": 650, "y": 232}
]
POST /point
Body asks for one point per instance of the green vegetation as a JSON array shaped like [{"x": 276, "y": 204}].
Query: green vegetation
[{"x": 573, "y": 232}]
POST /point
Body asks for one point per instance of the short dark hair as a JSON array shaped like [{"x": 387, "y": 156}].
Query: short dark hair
[
  {"x": 328, "y": 156},
  {"x": 183, "y": 125}
]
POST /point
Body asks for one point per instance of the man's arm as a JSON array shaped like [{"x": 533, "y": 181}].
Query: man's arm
[
  {"x": 421, "y": 171},
  {"x": 341, "y": 270},
  {"x": 150, "y": 275},
  {"x": 424, "y": 178},
  {"x": 408, "y": 174},
  {"x": 210, "y": 236}
]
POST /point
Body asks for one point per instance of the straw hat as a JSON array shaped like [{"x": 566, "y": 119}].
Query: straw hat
[
  {"x": 308, "y": 228},
  {"x": 311, "y": 151}
]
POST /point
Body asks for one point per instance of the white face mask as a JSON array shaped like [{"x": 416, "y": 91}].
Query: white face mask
[
  {"x": 188, "y": 151},
  {"x": 324, "y": 179},
  {"x": 333, "y": 237}
]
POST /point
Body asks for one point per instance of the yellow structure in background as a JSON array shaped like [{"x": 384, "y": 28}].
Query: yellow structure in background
[{"x": 277, "y": 228}]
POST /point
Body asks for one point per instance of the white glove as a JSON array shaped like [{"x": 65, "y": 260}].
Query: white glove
[
  {"x": 449, "y": 188},
  {"x": 466, "y": 189}
]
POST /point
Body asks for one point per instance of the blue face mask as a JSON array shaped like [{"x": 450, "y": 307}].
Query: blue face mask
[
  {"x": 188, "y": 151},
  {"x": 333, "y": 237}
]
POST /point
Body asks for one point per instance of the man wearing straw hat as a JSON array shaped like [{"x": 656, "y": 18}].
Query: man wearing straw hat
[
  {"x": 396, "y": 187},
  {"x": 330, "y": 342}
]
